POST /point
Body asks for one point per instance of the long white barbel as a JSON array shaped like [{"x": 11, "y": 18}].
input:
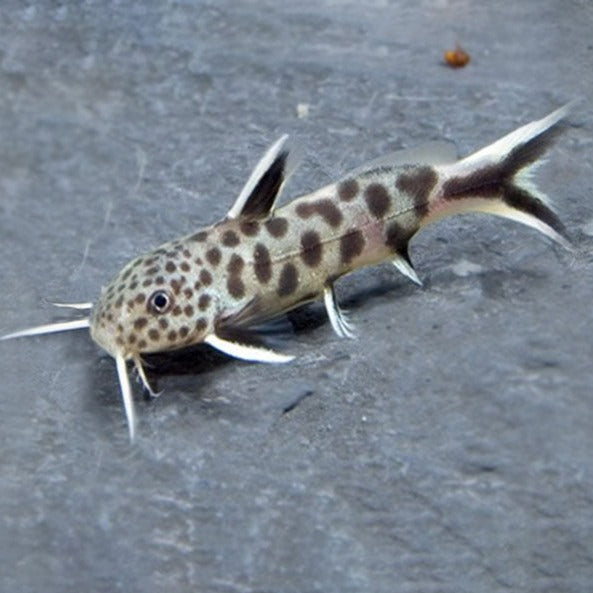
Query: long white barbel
[
  {"x": 49, "y": 328},
  {"x": 126, "y": 394}
]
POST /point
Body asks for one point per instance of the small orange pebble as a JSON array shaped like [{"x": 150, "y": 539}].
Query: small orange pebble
[{"x": 457, "y": 58}]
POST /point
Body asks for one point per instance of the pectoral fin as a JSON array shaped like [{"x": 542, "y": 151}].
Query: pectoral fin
[{"x": 245, "y": 351}]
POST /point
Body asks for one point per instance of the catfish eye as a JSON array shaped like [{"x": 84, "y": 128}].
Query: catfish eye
[{"x": 160, "y": 301}]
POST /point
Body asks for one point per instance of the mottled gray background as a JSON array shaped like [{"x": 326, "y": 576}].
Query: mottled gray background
[{"x": 448, "y": 449}]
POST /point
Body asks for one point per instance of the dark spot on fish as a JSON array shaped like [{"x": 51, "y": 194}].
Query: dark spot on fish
[
  {"x": 197, "y": 285},
  {"x": 127, "y": 274},
  {"x": 311, "y": 248},
  {"x": 170, "y": 267},
  {"x": 149, "y": 261},
  {"x": 351, "y": 245},
  {"x": 305, "y": 210},
  {"x": 288, "y": 280},
  {"x": 133, "y": 285},
  {"x": 236, "y": 287},
  {"x": 186, "y": 253},
  {"x": 152, "y": 271},
  {"x": 250, "y": 228},
  {"x": 140, "y": 322},
  {"x": 183, "y": 331},
  {"x": 185, "y": 266},
  {"x": 147, "y": 282},
  {"x": 230, "y": 239},
  {"x": 175, "y": 286},
  {"x": 199, "y": 237},
  {"x": 188, "y": 310},
  {"x": 121, "y": 287},
  {"x": 140, "y": 298},
  {"x": 189, "y": 293},
  {"x": 377, "y": 199},
  {"x": 397, "y": 237},
  {"x": 262, "y": 263},
  {"x": 201, "y": 324},
  {"x": 154, "y": 334},
  {"x": 418, "y": 183},
  {"x": 172, "y": 335},
  {"x": 204, "y": 301},
  {"x": 324, "y": 207},
  {"x": 119, "y": 302},
  {"x": 163, "y": 323},
  {"x": 205, "y": 277},
  {"x": 329, "y": 212},
  {"x": 142, "y": 344},
  {"x": 277, "y": 227},
  {"x": 213, "y": 256},
  {"x": 159, "y": 281},
  {"x": 132, "y": 338},
  {"x": 347, "y": 190},
  {"x": 235, "y": 264},
  {"x": 119, "y": 341},
  {"x": 176, "y": 311}
]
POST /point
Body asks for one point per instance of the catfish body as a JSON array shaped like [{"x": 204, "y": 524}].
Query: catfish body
[
  {"x": 262, "y": 261},
  {"x": 218, "y": 285}
]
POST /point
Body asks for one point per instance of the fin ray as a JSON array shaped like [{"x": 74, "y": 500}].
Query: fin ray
[
  {"x": 337, "y": 318},
  {"x": 404, "y": 265},
  {"x": 245, "y": 351},
  {"x": 521, "y": 137},
  {"x": 262, "y": 189}
]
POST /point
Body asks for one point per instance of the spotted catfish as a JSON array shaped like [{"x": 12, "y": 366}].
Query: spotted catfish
[{"x": 220, "y": 284}]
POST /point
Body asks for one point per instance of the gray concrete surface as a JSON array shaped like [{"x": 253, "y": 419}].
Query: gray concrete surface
[{"x": 448, "y": 449}]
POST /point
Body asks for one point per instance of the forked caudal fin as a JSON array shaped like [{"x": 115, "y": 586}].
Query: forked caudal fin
[{"x": 497, "y": 180}]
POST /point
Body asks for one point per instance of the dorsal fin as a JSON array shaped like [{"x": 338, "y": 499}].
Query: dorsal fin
[
  {"x": 440, "y": 152},
  {"x": 259, "y": 194}
]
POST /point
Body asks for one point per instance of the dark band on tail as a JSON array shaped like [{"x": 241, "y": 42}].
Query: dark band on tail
[
  {"x": 520, "y": 199},
  {"x": 531, "y": 151}
]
